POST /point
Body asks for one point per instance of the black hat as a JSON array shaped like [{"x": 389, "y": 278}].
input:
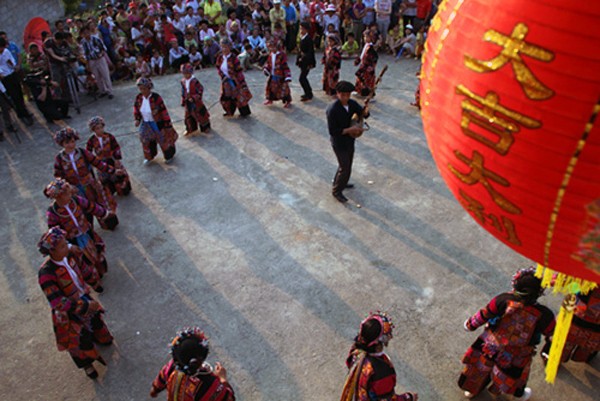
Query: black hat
[
  {"x": 305, "y": 25},
  {"x": 344, "y": 87}
]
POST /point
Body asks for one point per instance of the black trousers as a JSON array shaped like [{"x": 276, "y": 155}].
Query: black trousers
[
  {"x": 12, "y": 83},
  {"x": 342, "y": 176},
  {"x": 304, "y": 82}
]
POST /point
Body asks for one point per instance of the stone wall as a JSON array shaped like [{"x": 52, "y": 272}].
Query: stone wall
[{"x": 15, "y": 14}]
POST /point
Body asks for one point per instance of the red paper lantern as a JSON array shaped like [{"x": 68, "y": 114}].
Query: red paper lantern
[{"x": 510, "y": 92}]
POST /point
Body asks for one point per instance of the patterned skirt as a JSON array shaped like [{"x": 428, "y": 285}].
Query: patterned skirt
[{"x": 277, "y": 88}]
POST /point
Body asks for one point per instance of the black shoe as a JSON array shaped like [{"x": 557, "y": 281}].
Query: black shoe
[
  {"x": 1, "y": 136},
  {"x": 102, "y": 95},
  {"x": 340, "y": 197},
  {"x": 12, "y": 128},
  {"x": 67, "y": 117},
  {"x": 110, "y": 96},
  {"x": 28, "y": 121},
  {"x": 349, "y": 186},
  {"x": 99, "y": 289},
  {"x": 91, "y": 372}
]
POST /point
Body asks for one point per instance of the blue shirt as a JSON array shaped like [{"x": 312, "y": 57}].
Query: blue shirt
[
  {"x": 290, "y": 13},
  {"x": 14, "y": 50}
]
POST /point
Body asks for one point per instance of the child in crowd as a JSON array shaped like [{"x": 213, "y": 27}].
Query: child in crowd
[
  {"x": 142, "y": 69},
  {"x": 195, "y": 58},
  {"x": 157, "y": 63},
  {"x": 350, "y": 49}
]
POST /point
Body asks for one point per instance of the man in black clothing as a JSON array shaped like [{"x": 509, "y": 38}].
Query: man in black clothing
[
  {"x": 343, "y": 134},
  {"x": 306, "y": 60}
]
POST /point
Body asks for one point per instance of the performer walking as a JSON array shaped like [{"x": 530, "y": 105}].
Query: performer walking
[
  {"x": 68, "y": 211},
  {"x": 332, "y": 63},
  {"x": 583, "y": 341},
  {"x": 105, "y": 146},
  {"x": 502, "y": 354},
  {"x": 76, "y": 316},
  {"x": 152, "y": 117},
  {"x": 343, "y": 134},
  {"x": 234, "y": 90},
  {"x": 306, "y": 60},
  {"x": 278, "y": 72},
  {"x": 367, "y": 62},
  {"x": 75, "y": 166},
  {"x": 372, "y": 375},
  {"x": 187, "y": 377},
  {"x": 196, "y": 113}
]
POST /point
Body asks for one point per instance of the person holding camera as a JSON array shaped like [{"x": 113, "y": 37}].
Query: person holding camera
[
  {"x": 46, "y": 94},
  {"x": 59, "y": 59},
  {"x": 97, "y": 61},
  {"x": 9, "y": 77}
]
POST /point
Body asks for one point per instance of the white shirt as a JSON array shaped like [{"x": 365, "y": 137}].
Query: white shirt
[
  {"x": 179, "y": 25},
  {"x": 187, "y": 84},
  {"x": 179, "y": 9},
  {"x": 411, "y": 12},
  {"x": 7, "y": 63},
  {"x": 74, "y": 276},
  {"x": 73, "y": 162},
  {"x": 195, "y": 57},
  {"x": 223, "y": 66},
  {"x": 72, "y": 217},
  {"x": 365, "y": 48},
  {"x": 156, "y": 62},
  {"x": 209, "y": 33},
  {"x": 145, "y": 109},
  {"x": 273, "y": 57}
]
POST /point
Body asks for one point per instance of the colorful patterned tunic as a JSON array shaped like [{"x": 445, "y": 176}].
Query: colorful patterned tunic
[
  {"x": 76, "y": 330},
  {"x": 583, "y": 342},
  {"x": 234, "y": 89},
  {"x": 196, "y": 113},
  {"x": 181, "y": 387},
  {"x": 72, "y": 219},
  {"x": 279, "y": 74},
  {"x": 78, "y": 172},
  {"x": 365, "y": 75},
  {"x": 332, "y": 63},
  {"x": 503, "y": 353},
  {"x": 160, "y": 131},
  {"x": 372, "y": 377},
  {"x": 107, "y": 149}
]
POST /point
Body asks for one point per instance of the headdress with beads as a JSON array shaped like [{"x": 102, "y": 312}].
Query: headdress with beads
[
  {"x": 187, "y": 68},
  {"x": 189, "y": 350},
  {"x": 385, "y": 334},
  {"x": 526, "y": 285},
  {"x": 65, "y": 134},
  {"x": 145, "y": 82},
  {"x": 55, "y": 188},
  {"x": 50, "y": 239},
  {"x": 94, "y": 121}
]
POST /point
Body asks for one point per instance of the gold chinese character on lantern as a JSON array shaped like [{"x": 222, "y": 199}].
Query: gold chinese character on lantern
[
  {"x": 481, "y": 175},
  {"x": 502, "y": 224},
  {"x": 513, "y": 48},
  {"x": 493, "y": 118}
]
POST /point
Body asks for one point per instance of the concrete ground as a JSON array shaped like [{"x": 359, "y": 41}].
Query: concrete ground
[{"x": 241, "y": 236}]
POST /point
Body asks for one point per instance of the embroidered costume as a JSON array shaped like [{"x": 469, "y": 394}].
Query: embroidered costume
[
  {"x": 278, "y": 72},
  {"x": 196, "y": 114},
  {"x": 235, "y": 93},
  {"x": 65, "y": 285},
  {"x": 76, "y": 168},
  {"x": 186, "y": 377},
  {"x": 365, "y": 75},
  {"x": 332, "y": 63},
  {"x": 71, "y": 217},
  {"x": 155, "y": 123},
  {"x": 503, "y": 353},
  {"x": 583, "y": 342},
  {"x": 106, "y": 148},
  {"x": 371, "y": 375}
]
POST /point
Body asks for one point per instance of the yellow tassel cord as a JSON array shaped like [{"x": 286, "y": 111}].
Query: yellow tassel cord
[{"x": 569, "y": 285}]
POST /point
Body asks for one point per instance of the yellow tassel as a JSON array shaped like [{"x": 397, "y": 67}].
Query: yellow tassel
[
  {"x": 569, "y": 285},
  {"x": 559, "y": 338}
]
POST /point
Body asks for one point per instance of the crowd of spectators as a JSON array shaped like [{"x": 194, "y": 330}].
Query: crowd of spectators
[{"x": 128, "y": 40}]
